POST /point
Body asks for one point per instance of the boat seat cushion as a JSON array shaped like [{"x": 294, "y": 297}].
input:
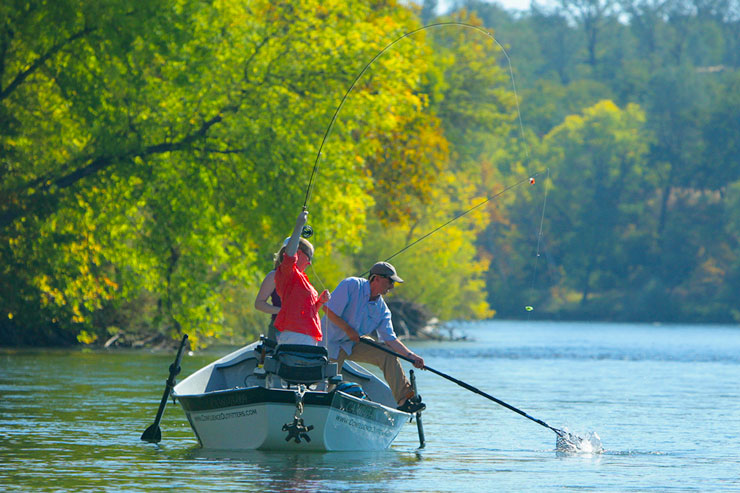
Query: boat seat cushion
[{"x": 302, "y": 349}]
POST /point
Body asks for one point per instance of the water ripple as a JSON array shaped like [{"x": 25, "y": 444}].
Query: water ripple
[{"x": 580, "y": 353}]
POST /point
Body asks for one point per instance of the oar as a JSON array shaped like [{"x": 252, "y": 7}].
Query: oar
[
  {"x": 419, "y": 426},
  {"x": 572, "y": 439},
  {"x": 153, "y": 434}
]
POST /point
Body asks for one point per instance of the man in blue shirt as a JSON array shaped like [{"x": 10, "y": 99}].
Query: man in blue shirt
[{"x": 356, "y": 309}]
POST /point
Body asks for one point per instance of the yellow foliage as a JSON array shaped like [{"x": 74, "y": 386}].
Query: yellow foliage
[{"x": 86, "y": 338}]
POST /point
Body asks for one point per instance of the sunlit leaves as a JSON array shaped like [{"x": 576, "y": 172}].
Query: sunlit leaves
[{"x": 602, "y": 190}]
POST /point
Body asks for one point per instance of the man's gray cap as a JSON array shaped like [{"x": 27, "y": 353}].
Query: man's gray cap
[{"x": 385, "y": 269}]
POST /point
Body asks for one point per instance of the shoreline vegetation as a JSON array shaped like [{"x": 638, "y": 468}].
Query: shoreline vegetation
[{"x": 412, "y": 321}]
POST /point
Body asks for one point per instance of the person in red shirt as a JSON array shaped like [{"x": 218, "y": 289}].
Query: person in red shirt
[{"x": 298, "y": 320}]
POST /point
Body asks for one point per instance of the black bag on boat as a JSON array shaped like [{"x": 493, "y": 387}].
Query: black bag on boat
[{"x": 297, "y": 363}]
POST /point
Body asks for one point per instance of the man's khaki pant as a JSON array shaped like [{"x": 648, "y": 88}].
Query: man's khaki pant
[{"x": 389, "y": 364}]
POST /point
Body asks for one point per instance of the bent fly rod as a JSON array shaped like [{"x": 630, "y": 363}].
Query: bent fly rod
[
  {"x": 308, "y": 231},
  {"x": 378, "y": 55}
]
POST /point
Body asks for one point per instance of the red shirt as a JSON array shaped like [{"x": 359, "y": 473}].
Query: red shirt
[{"x": 300, "y": 301}]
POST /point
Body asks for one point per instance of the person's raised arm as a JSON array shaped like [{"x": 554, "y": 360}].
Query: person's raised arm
[{"x": 292, "y": 246}]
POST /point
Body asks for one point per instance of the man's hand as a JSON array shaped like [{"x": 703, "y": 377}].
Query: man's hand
[
  {"x": 352, "y": 334},
  {"x": 418, "y": 360}
]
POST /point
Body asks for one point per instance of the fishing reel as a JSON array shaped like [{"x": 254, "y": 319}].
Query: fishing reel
[{"x": 307, "y": 231}]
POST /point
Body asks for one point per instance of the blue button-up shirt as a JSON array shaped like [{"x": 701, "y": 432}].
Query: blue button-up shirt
[{"x": 351, "y": 301}]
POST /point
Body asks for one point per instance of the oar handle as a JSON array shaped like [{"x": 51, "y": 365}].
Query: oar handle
[
  {"x": 153, "y": 434},
  {"x": 170, "y": 384},
  {"x": 419, "y": 425},
  {"x": 175, "y": 367},
  {"x": 374, "y": 344}
]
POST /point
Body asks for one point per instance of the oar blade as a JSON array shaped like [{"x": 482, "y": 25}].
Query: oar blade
[{"x": 153, "y": 434}]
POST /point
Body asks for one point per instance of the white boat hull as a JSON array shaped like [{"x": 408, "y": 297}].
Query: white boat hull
[
  {"x": 346, "y": 423},
  {"x": 255, "y": 417}
]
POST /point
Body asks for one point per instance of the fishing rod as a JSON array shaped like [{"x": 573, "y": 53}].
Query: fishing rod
[
  {"x": 570, "y": 438},
  {"x": 531, "y": 181},
  {"x": 308, "y": 232},
  {"x": 378, "y": 55}
]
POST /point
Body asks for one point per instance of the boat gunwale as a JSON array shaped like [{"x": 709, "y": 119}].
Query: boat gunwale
[{"x": 245, "y": 396}]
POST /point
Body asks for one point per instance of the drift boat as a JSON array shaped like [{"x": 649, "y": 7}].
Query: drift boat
[{"x": 288, "y": 397}]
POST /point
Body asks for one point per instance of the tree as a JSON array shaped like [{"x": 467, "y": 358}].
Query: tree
[
  {"x": 601, "y": 188},
  {"x": 721, "y": 135},
  {"x": 591, "y": 16},
  {"x": 469, "y": 113}
]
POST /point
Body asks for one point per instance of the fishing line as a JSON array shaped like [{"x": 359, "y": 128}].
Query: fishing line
[
  {"x": 378, "y": 55},
  {"x": 529, "y": 308},
  {"x": 479, "y": 29},
  {"x": 563, "y": 436},
  {"x": 510, "y": 187},
  {"x": 317, "y": 277}
]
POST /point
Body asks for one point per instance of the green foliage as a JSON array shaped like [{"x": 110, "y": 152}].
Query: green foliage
[
  {"x": 157, "y": 157},
  {"x": 548, "y": 103},
  {"x": 436, "y": 167},
  {"x": 669, "y": 251},
  {"x": 154, "y": 155},
  {"x": 600, "y": 194},
  {"x": 442, "y": 272}
]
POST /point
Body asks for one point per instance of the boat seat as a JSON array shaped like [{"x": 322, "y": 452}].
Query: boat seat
[{"x": 300, "y": 364}]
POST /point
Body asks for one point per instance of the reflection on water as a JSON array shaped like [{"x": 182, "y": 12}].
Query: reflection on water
[
  {"x": 664, "y": 402},
  {"x": 308, "y": 471}
]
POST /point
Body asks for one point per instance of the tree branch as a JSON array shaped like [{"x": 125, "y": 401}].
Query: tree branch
[
  {"x": 100, "y": 163},
  {"x": 40, "y": 61}
]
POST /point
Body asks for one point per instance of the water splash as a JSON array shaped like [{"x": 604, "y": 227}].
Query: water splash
[{"x": 571, "y": 444}]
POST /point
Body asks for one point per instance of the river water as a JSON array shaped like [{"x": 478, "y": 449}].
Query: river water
[{"x": 663, "y": 399}]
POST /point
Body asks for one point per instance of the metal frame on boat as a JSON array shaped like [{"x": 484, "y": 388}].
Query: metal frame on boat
[{"x": 288, "y": 397}]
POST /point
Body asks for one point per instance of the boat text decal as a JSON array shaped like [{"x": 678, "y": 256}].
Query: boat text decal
[
  {"x": 363, "y": 410},
  {"x": 228, "y": 415},
  {"x": 377, "y": 430}
]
